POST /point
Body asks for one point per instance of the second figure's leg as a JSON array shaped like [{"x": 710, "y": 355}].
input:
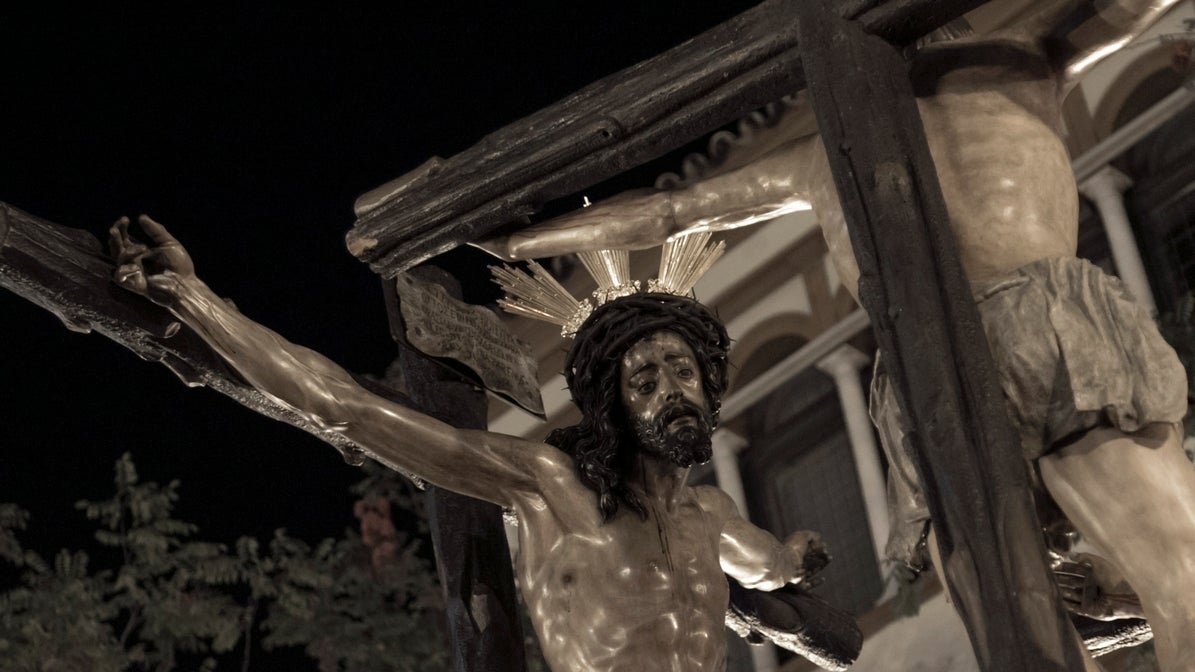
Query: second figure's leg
[{"x": 1133, "y": 497}]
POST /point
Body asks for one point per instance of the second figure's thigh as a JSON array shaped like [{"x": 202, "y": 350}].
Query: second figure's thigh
[{"x": 1133, "y": 497}]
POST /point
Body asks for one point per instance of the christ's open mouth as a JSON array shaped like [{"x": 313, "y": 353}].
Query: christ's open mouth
[
  {"x": 686, "y": 420},
  {"x": 681, "y": 413},
  {"x": 680, "y": 432}
]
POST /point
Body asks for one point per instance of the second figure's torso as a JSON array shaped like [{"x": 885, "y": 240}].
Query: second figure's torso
[{"x": 991, "y": 111}]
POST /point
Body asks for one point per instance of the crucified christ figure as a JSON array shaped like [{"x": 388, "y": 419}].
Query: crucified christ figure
[
  {"x": 1092, "y": 389},
  {"x": 621, "y": 563}
]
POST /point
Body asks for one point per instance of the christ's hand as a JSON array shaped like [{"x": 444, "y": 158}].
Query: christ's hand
[
  {"x": 1092, "y": 587},
  {"x": 153, "y": 271},
  {"x": 808, "y": 553},
  {"x": 809, "y": 550},
  {"x": 504, "y": 470}
]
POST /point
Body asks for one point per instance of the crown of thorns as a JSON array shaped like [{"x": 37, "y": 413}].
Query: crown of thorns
[{"x": 617, "y": 325}]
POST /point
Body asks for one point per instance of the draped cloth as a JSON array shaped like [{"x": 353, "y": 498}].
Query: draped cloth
[{"x": 1073, "y": 351}]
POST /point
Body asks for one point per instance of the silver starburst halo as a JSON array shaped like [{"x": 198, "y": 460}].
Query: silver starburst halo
[{"x": 683, "y": 260}]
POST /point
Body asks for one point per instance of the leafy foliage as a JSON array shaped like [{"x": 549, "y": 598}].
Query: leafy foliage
[
  {"x": 366, "y": 602},
  {"x": 360, "y": 603},
  {"x": 167, "y": 591}
]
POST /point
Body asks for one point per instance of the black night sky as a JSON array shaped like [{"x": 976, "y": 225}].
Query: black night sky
[{"x": 249, "y": 132}]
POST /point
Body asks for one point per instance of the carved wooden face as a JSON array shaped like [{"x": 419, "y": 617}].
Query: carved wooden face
[{"x": 658, "y": 372}]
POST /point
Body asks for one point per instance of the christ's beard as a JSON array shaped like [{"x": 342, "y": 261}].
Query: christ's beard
[{"x": 684, "y": 445}]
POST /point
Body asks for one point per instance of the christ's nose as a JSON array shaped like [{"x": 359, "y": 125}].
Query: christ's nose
[{"x": 667, "y": 388}]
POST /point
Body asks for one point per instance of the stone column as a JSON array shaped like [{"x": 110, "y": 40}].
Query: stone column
[
  {"x": 843, "y": 366},
  {"x": 725, "y": 461},
  {"x": 726, "y": 446},
  {"x": 1105, "y": 189}
]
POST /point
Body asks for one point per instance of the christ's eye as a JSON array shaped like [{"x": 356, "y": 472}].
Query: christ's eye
[
  {"x": 685, "y": 373},
  {"x": 647, "y": 388}
]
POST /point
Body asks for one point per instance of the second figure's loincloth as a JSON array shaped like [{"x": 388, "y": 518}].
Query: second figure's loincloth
[{"x": 1072, "y": 350}]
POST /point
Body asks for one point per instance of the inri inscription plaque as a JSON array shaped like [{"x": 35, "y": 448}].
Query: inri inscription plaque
[{"x": 440, "y": 326}]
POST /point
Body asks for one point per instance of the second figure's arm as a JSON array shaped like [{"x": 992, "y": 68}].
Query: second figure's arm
[
  {"x": 1078, "y": 34},
  {"x": 770, "y": 185}
]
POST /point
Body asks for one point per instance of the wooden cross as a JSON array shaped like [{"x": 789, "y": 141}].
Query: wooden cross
[
  {"x": 1004, "y": 592},
  {"x": 913, "y": 287}
]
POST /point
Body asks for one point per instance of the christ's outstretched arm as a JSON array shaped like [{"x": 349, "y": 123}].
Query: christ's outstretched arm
[{"x": 490, "y": 466}]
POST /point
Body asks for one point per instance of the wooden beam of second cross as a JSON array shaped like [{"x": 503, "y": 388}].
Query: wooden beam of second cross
[
  {"x": 66, "y": 271},
  {"x": 485, "y": 631},
  {"x": 612, "y": 125},
  {"x": 933, "y": 347}
]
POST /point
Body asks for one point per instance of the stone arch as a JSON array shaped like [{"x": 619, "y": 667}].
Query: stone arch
[
  {"x": 767, "y": 343},
  {"x": 1107, "y": 113}
]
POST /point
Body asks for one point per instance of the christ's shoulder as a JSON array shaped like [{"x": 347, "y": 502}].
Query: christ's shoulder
[
  {"x": 556, "y": 476},
  {"x": 548, "y": 460},
  {"x": 715, "y": 502}
]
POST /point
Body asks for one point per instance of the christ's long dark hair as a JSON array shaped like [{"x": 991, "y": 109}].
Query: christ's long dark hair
[{"x": 602, "y": 444}]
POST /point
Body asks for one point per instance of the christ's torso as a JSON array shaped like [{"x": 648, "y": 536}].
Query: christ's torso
[{"x": 631, "y": 594}]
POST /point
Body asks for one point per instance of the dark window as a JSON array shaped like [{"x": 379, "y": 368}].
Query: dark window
[{"x": 800, "y": 474}]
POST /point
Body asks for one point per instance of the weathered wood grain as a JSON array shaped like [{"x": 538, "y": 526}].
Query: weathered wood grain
[
  {"x": 485, "y": 631},
  {"x": 935, "y": 351}
]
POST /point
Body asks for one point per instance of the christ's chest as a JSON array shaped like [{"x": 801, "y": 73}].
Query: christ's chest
[
  {"x": 648, "y": 591},
  {"x": 670, "y": 558}
]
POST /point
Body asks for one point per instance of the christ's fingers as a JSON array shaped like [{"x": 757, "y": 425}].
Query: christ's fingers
[
  {"x": 155, "y": 231},
  {"x": 125, "y": 247},
  {"x": 131, "y": 277},
  {"x": 1069, "y": 584},
  {"x": 1071, "y": 597},
  {"x": 116, "y": 235}
]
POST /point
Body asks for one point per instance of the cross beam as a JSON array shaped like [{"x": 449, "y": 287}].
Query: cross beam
[
  {"x": 472, "y": 557},
  {"x": 67, "y": 272},
  {"x": 608, "y": 127}
]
